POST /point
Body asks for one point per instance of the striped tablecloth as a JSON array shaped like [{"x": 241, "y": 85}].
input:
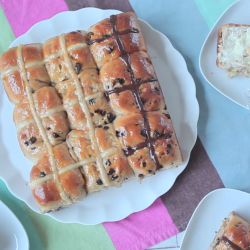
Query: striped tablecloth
[{"x": 220, "y": 156}]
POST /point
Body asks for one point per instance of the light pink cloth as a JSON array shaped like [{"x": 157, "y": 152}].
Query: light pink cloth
[
  {"x": 22, "y": 14},
  {"x": 143, "y": 229}
]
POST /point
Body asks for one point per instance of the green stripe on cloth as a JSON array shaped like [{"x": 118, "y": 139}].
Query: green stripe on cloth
[
  {"x": 6, "y": 36},
  {"x": 46, "y": 233},
  {"x": 212, "y": 9},
  {"x": 71, "y": 236}
]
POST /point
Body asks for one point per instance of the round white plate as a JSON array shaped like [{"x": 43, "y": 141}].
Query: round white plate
[
  {"x": 236, "y": 89},
  {"x": 209, "y": 215},
  {"x": 12, "y": 233},
  {"x": 114, "y": 203}
]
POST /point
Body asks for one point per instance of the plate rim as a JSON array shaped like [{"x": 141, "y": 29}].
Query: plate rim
[
  {"x": 206, "y": 197},
  {"x": 195, "y": 110},
  {"x": 233, "y": 4},
  {"x": 17, "y": 223}
]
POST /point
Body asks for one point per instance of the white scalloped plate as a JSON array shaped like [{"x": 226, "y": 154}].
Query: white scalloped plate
[
  {"x": 237, "y": 89},
  {"x": 114, "y": 203},
  {"x": 12, "y": 233},
  {"x": 209, "y": 215}
]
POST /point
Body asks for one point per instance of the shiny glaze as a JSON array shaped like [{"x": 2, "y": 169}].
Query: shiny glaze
[
  {"x": 124, "y": 32},
  {"x": 133, "y": 87}
]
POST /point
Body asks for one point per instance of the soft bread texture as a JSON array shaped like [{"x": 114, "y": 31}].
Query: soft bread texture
[
  {"x": 89, "y": 111},
  {"x": 234, "y": 234},
  {"x": 233, "y": 49}
]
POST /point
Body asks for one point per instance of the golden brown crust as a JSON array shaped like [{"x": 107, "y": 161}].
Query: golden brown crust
[
  {"x": 71, "y": 180},
  {"x": 47, "y": 195},
  {"x": 129, "y": 130},
  {"x": 108, "y": 50},
  {"x": 238, "y": 231},
  {"x": 160, "y": 124},
  {"x": 233, "y": 234},
  {"x": 100, "y": 111},
  {"x": 82, "y": 149},
  {"x": 36, "y": 74},
  {"x": 49, "y": 107},
  {"x": 41, "y": 169},
  {"x": 151, "y": 96},
  {"x": 77, "y": 81},
  {"x": 31, "y": 141},
  {"x": 56, "y": 127},
  {"x": 32, "y": 53},
  {"x": 62, "y": 156},
  {"x": 100, "y": 30},
  {"x": 8, "y": 59},
  {"x": 142, "y": 163},
  {"x": 125, "y": 21},
  {"x": 103, "y": 100},
  {"x": 38, "y": 77},
  {"x": 168, "y": 152},
  {"x": 117, "y": 168},
  {"x": 90, "y": 82},
  {"x": 115, "y": 75},
  {"x": 51, "y": 46},
  {"x": 82, "y": 59},
  {"x": 57, "y": 69},
  {"x": 79, "y": 53},
  {"x": 94, "y": 181},
  {"x": 106, "y": 137},
  {"x": 105, "y": 51},
  {"x": 29, "y": 136},
  {"x": 76, "y": 116},
  {"x": 74, "y": 37},
  {"x": 142, "y": 66},
  {"x": 46, "y": 98},
  {"x": 133, "y": 42},
  {"x": 73, "y": 184},
  {"x": 128, "y": 76},
  {"x": 22, "y": 112},
  {"x": 124, "y": 102},
  {"x": 14, "y": 86},
  {"x": 80, "y": 145}
]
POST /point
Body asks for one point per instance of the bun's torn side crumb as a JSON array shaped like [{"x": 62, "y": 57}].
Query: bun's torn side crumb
[{"x": 233, "y": 49}]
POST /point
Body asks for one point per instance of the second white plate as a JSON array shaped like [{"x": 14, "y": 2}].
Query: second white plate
[
  {"x": 209, "y": 215},
  {"x": 236, "y": 89},
  {"x": 114, "y": 203},
  {"x": 12, "y": 233}
]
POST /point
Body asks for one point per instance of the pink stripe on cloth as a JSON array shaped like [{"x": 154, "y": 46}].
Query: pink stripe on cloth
[
  {"x": 22, "y": 14},
  {"x": 142, "y": 229}
]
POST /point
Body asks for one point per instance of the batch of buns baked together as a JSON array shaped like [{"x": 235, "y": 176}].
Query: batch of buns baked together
[{"x": 89, "y": 111}]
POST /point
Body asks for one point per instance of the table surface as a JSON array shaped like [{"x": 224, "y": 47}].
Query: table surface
[{"x": 222, "y": 128}]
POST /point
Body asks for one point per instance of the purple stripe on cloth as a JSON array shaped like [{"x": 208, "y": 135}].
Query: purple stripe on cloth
[
  {"x": 199, "y": 178},
  {"x": 142, "y": 229},
  {"x": 22, "y": 14}
]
